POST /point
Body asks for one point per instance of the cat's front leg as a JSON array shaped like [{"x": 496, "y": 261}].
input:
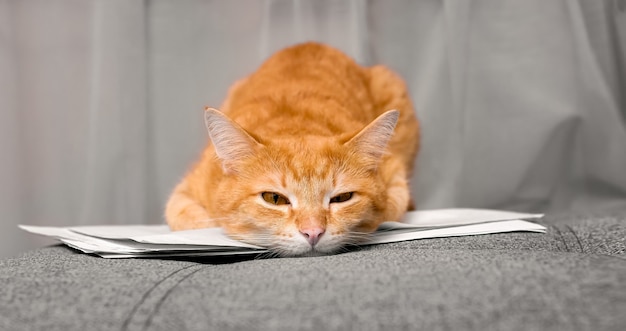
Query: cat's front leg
[
  {"x": 397, "y": 190},
  {"x": 182, "y": 212}
]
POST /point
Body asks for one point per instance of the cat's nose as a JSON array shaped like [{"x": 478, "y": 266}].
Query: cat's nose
[{"x": 313, "y": 234}]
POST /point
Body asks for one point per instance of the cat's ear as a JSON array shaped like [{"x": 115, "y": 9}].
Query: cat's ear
[
  {"x": 371, "y": 142},
  {"x": 232, "y": 143}
]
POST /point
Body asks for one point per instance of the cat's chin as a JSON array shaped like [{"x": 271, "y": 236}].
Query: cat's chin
[
  {"x": 307, "y": 250},
  {"x": 297, "y": 246},
  {"x": 305, "y": 253},
  {"x": 311, "y": 253}
]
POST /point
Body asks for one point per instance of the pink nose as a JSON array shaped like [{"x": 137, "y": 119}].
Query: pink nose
[{"x": 312, "y": 234}]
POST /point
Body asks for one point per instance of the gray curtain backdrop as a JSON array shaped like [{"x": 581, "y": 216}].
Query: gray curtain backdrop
[{"x": 522, "y": 103}]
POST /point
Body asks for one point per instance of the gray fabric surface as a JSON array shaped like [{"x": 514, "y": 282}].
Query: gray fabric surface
[{"x": 572, "y": 278}]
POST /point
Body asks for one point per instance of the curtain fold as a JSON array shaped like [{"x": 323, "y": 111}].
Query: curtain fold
[
  {"x": 116, "y": 153},
  {"x": 522, "y": 103}
]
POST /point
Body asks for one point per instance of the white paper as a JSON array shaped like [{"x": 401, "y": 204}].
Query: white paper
[
  {"x": 126, "y": 241},
  {"x": 381, "y": 237},
  {"x": 122, "y": 231},
  {"x": 459, "y": 216},
  {"x": 208, "y": 236},
  {"x": 90, "y": 244}
]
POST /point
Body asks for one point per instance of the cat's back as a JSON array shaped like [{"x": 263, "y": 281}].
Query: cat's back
[
  {"x": 312, "y": 89},
  {"x": 310, "y": 82}
]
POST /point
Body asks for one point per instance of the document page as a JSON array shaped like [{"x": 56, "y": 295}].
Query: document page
[{"x": 127, "y": 241}]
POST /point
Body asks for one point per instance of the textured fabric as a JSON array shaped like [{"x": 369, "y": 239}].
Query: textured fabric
[
  {"x": 58, "y": 289},
  {"x": 571, "y": 278},
  {"x": 521, "y": 102}
]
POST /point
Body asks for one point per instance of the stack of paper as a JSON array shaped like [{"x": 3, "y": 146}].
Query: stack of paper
[{"x": 126, "y": 241}]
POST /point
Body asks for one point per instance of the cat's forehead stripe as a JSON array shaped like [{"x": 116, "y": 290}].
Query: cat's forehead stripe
[{"x": 300, "y": 170}]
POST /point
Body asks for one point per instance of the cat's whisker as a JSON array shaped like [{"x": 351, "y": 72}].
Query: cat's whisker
[
  {"x": 344, "y": 249},
  {"x": 266, "y": 255}
]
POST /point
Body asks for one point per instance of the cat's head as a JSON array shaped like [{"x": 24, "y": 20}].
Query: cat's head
[{"x": 300, "y": 195}]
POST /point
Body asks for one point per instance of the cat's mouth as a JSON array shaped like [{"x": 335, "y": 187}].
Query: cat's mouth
[
  {"x": 326, "y": 246},
  {"x": 311, "y": 253},
  {"x": 304, "y": 252},
  {"x": 296, "y": 245}
]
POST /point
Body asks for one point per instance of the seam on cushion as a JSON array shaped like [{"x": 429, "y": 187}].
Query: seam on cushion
[
  {"x": 167, "y": 294},
  {"x": 558, "y": 231},
  {"x": 580, "y": 245},
  {"x": 135, "y": 310}
]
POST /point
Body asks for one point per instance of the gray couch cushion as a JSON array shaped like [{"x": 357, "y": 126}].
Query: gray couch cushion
[{"x": 572, "y": 278}]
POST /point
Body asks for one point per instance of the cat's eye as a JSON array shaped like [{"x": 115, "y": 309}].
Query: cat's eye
[
  {"x": 274, "y": 198},
  {"x": 343, "y": 197}
]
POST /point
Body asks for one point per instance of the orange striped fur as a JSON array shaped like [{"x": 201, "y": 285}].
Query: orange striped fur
[{"x": 303, "y": 156}]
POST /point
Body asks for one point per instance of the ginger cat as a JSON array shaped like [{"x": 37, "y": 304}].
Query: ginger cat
[{"x": 303, "y": 157}]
